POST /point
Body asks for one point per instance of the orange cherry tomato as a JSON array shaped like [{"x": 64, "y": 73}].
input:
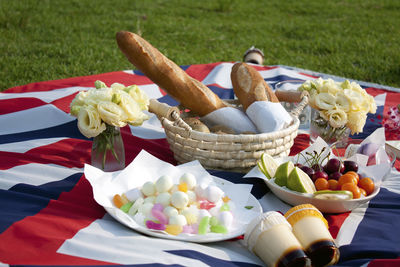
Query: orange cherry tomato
[
  {"x": 367, "y": 184},
  {"x": 352, "y": 188},
  {"x": 355, "y": 175},
  {"x": 347, "y": 178},
  {"x": 363, "y": 192},
  {"x": 321, "y": 184},
  {"x": 333, "y": 184}
]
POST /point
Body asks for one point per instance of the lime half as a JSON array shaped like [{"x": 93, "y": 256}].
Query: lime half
[{"x": 299, "y": 181}]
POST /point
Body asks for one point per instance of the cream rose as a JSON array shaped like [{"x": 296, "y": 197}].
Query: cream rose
[
  {"x": 336, "y": 117},
  {"x": 89, "y": 122},
  {"x": 134, "y": 113},
  {"x": 356, "y": 121},
  {"x": 138, "y": 95},
  {"x": 324, "y": 101},
  {"x": 112, "y": 114}
]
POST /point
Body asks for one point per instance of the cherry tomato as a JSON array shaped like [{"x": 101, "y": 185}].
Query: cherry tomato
[
  {"x": 352, "y": 188},
  {"x": 363, "y": 192},
  {"x": 355, "y": 175},
  {"x": 347, "y": 178},
  {"x": 321, "y": 184},
  {"x": 367, "y": 184},
  {"x": 333, "y": 184}
]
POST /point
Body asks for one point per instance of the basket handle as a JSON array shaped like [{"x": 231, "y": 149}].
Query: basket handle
[
  {"x": 165, "y": 111},
  {"x": 292, "y": 96}
]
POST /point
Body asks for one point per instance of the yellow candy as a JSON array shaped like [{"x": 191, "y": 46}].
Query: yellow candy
[
  {"x": 226, "y": 199},
  {"x": 173, "y": 229},
  {"x": 183, "y": 187},
  {"x": 191, "y": 218}
]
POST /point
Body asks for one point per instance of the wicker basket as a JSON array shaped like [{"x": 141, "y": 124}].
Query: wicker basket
[{"x": 233, "y": 152}]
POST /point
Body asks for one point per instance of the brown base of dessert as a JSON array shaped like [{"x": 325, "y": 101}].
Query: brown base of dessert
[
  {"x": 323, "y": 253},
  {"x": 294, "y": 258}
]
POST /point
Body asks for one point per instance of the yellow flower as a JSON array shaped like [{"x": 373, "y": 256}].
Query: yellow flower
[
  {"x": 133, "y": 111},
  {"x": 356, "y": 121},
  {"x": 89, "y": 122},
  {"x": 324, "y": 101},
  {"x": 336, "y": 117}
]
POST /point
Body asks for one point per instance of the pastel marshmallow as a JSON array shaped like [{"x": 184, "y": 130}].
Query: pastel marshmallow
[
  {"x": 163, "y": 184},
  {"x": 164, "y": 199},
  {"x": 189, "y": 179},
  {"x": 148, "y": 189},
  {"x": 133, "y": 194},
  {"x": 179, "y": 199}
]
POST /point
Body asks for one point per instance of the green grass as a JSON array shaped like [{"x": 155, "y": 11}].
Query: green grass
[{"x": 47, "y": 40}]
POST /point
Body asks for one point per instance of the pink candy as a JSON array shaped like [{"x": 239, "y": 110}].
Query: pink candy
[
  {"x": 204, "y": 204},
  {"x": 155, "y": 226},
  {"x": 157, "y": 213}
]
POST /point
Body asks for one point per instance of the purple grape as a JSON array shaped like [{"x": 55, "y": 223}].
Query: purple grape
[
  {"x": 310, "y": 171},
  {"x": 350, "y": 165},
  {"x": 333, "y": 165},
  {"x": 319, "y": 174},
  {"x": 335, "y": 175},
  {"x": 316, "y": 167}
]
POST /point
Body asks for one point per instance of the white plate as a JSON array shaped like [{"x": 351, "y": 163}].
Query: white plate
[
  {"x": 210, "y": 237},
  {"x": 324, "y": 205}
]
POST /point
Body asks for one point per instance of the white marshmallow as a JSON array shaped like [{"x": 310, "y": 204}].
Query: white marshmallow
[
  {"x": 163, "y": 184},
  {"x": 200, "y": 191},
  {"x": 192, "y": 196},
  {"x": 178, "y": 220},
  {"x": 151, "y": 199},
  {"x": 170, "y": 211},
  {"x": 213, "y": 193},
  {"x": 226, "y": 218},
  {"x": 164, "y": 199},
  {"x": 148, "y": 189},
  {"x": 202, "y": 213},
  {"x": 179, "y": 199},
  {"x": 133, "y": 194},
  {"x": 189, "y": 179}
]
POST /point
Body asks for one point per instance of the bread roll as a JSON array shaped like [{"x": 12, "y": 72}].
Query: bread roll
[
  {"x": 249, "y": 86},
  {"x": 191, "y": 93}
]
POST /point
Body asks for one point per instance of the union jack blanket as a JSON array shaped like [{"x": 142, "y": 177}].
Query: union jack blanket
[{"x": 48, "y": 215}]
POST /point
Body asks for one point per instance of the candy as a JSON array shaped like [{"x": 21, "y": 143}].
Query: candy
[
  {"x": 218, "y": 229},
  {"x": 125, "y": 208},
  {"x": 225, "y": 207},
  {"x": 163, "y": 184},
  {"x": 170, "y": 211},
  {"x": 135, "y": 207},
  {"x": 213, "y": 193},
  {"x": 178, "y": 219},
  {"x": 148, "y": 189},
  {"x": 189, "y": 229},
  {"x": 173, "y": 229},
  {"x": 158, "y": 206},
  {"x": 159, "y": 215},
  {"x": 119, "y": 201},
  {"x": 191, "y": 196},
  {"x": 189, "y": 179},
  {"x": 203, "y": 225},
  {"x": 146, "y": 209},
  {"x": 213, "y": 221},
  {"x": 204, "y": 204},
  {"x": 179, "y": 199},
  {"x": 183, "y": 187},
  {"x": 164, "y": 199},
  {"x": 133, "y": 194},
  {"x": 226, "y": 199},
  {"x": 151, "y": 199},
  {"x": 191, "y": 218},
  {"x": 200, "y": 190},
  {"x": 203, "y": 213},
  {"x": 154, "y": 225},
  {"x": 226, "y": 218}
]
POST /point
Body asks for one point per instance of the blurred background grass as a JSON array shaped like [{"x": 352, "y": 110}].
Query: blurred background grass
[{"x": 54, "y": 39}]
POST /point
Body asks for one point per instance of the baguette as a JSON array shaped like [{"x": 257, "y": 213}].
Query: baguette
[
  {"x": 249, "y": 86},
  {"x": 190, "y": 92}
]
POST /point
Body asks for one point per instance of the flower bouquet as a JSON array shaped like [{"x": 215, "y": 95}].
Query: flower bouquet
[
  {"x": 101, "y": 111},
  {"x": 338, "y": 109}
]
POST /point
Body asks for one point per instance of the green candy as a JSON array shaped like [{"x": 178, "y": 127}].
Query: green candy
[
  {"x": 125, "y": 208},
  {"x": 203, "y": 225},
  {"x": 219, "y": 229},
  {"x": 213, "y": 221},
  {"x": 225, "y": 207}
]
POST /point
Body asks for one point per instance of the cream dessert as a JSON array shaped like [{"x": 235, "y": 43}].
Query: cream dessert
[
  {"x": 311, "y": 229},
  {"x": 271, "y": 238}
]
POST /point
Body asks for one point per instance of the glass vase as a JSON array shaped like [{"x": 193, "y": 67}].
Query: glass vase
[
  {"x": 332, "y": 136},
  {"x": 108, "y": 152}
]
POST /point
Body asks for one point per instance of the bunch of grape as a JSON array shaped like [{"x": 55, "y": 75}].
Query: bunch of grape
[{"x": 338, "y": 175}]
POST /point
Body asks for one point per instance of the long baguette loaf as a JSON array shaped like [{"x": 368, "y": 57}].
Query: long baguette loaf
[
  {"x": 190, "y": 92},
  {"x": 249, "y": 86}
]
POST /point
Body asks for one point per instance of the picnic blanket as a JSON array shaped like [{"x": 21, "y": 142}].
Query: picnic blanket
[{"x": 48, "y": 215}]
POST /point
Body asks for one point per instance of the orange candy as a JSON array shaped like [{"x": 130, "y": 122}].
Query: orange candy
[
  {"x": 367, "y": 184},
  {"x": 119, "y": 201},
  {"x": 183, "y": 187},
  {"x": 321, "y": 184},
  {"x": 352, "y": 188}
]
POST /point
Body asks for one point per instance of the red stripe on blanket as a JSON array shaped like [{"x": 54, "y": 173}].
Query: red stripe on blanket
[
  {"x": 8, "y": 106},
  {"x": 57, "y": 153}
]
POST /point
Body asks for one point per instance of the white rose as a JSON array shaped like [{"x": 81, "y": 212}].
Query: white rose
[
  {"x": 118, "y": 86},
  {"x": 342, "y": 102},
  {"x": 89, "y": 122},
  {"x": 138, "y": 95},
  {"x": 336, "y": 117},
  {"x": 330, "y": 87},
  {"x": 112, "y": 114},
  {"x": 98, "y": 95},
  {"x": 324, "y": 101},
  {"x": 134, "y": 113},
  {"x": 356, "y": 121},
  {"x": 355, "y": 99}
]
